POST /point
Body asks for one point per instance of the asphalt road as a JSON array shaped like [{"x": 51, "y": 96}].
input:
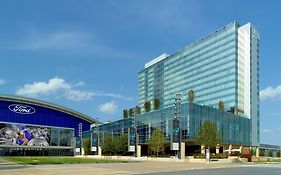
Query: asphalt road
[
  {"x": 145, "y": 167},
  {"x": 273, "y": 169}
]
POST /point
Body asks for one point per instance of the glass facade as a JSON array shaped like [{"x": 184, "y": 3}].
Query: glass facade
[
  {"x": 234, "y": 129},
  {"x": 115, "y": 129},
  {"x": 223, "y": 66},
  {"x": 207, "y": 66}
]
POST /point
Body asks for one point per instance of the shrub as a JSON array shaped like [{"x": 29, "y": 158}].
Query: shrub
[
  {"x": 248, "y": 156},
  {"x": 236, "y": 153},
  {"x": 218, "y": 156},
  {"x": 199, "y": 156}
]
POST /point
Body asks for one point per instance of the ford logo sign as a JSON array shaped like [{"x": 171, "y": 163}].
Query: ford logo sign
[{"x": 21, "y": 109}]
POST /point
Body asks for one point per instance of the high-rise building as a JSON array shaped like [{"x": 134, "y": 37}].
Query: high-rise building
[{"x": 223, "y": 66}]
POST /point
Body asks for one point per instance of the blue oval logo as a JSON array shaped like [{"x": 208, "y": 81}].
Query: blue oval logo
[{"x": 21, "y": 109}]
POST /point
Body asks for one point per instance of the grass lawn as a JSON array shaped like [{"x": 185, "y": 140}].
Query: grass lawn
[
  {"x": 58, "y": 160},
  {"x": 263, "y": 161},
  {"x": 276, "y": 160}
]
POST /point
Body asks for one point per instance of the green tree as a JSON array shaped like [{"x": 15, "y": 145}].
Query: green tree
[
  {"x": 278, "y": 154},
  {"x": 270, "y": 153},
  {"x": 253, "y": 152},
  {"x": 107, "y": 145},
  {"x": 157, "y": 142},
  {"x": 131, "y": 112},
  {"x": 262, "y": 153},
  {"x": 221, "y": 105},
  {"x": 138, "y": 110},
  {"x": 208, "y": 134},
  {"x": 115, "y": 145},
  {"x": 156, "y": 103},
  {"x": 147, "y": 106},
  {"x": 121, "y": 144},
  {"x": 87, "y": 146},
  {"x": 125, "y": 113},
  {"x": 190, "y": 96}
]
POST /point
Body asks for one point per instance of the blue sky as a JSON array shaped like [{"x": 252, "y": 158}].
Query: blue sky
[{"x": 85, "y": 55}]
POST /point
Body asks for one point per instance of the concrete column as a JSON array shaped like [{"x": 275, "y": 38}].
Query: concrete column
[
  {"x": 99, "y": 151},
  {"x": 241, "y": 147},
  {"x": 208, "y": 155},
  {"x": 138, "y": 150},
  {"x": 230, "y": 148},
  {"x": 182, "y": 156},
  {"x": 202, "y": 149},
  {"x": 257, "y": 152},
  {"x": 217, "y": 149}
]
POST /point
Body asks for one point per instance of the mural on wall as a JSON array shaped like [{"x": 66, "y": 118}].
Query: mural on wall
[{"x": 24, "y": 135}]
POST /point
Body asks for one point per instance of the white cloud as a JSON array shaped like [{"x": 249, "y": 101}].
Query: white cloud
[
  {"x": 76, "y": 95},
  {"x": 2, "y": 82},
  {"x": 266, "y": 130},
  {"x": 43, "y": 88},
  {"x": 117, "y": 96},
  {"x": 60, "y": 88},
  {"x": 270, "y": 93},
  {"x": 80, "y": 83},
  {"x": 108, "y": 108},
  {"x": 54, "y": 86}
]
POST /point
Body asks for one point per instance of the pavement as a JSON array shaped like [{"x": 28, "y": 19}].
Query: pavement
[
  {"x": 252, "y": 169},
  {"x": 144, "y": 167},
  {"x": 10, "y": 165},
  {"x": 109, "y": 168}
]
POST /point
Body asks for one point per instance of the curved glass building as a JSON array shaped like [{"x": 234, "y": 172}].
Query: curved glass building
[{"x": 33, "y": 127}]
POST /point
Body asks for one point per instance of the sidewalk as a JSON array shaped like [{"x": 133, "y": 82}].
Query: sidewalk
[
  {"x": 112, "y": 168},
  {"x": 168, "y": 159},
  {"x": 4, "y": 164}
]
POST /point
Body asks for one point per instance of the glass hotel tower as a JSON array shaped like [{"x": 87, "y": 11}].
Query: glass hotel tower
[{"x": 224, "y": 65}]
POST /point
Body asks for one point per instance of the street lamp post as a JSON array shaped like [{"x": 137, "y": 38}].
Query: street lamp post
[
  {"x": 98, "y": 134},
  {"x": 136, "y": 131},
  {"x": 177, "y": 117},
  {"x": 80, "y": 130}
]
